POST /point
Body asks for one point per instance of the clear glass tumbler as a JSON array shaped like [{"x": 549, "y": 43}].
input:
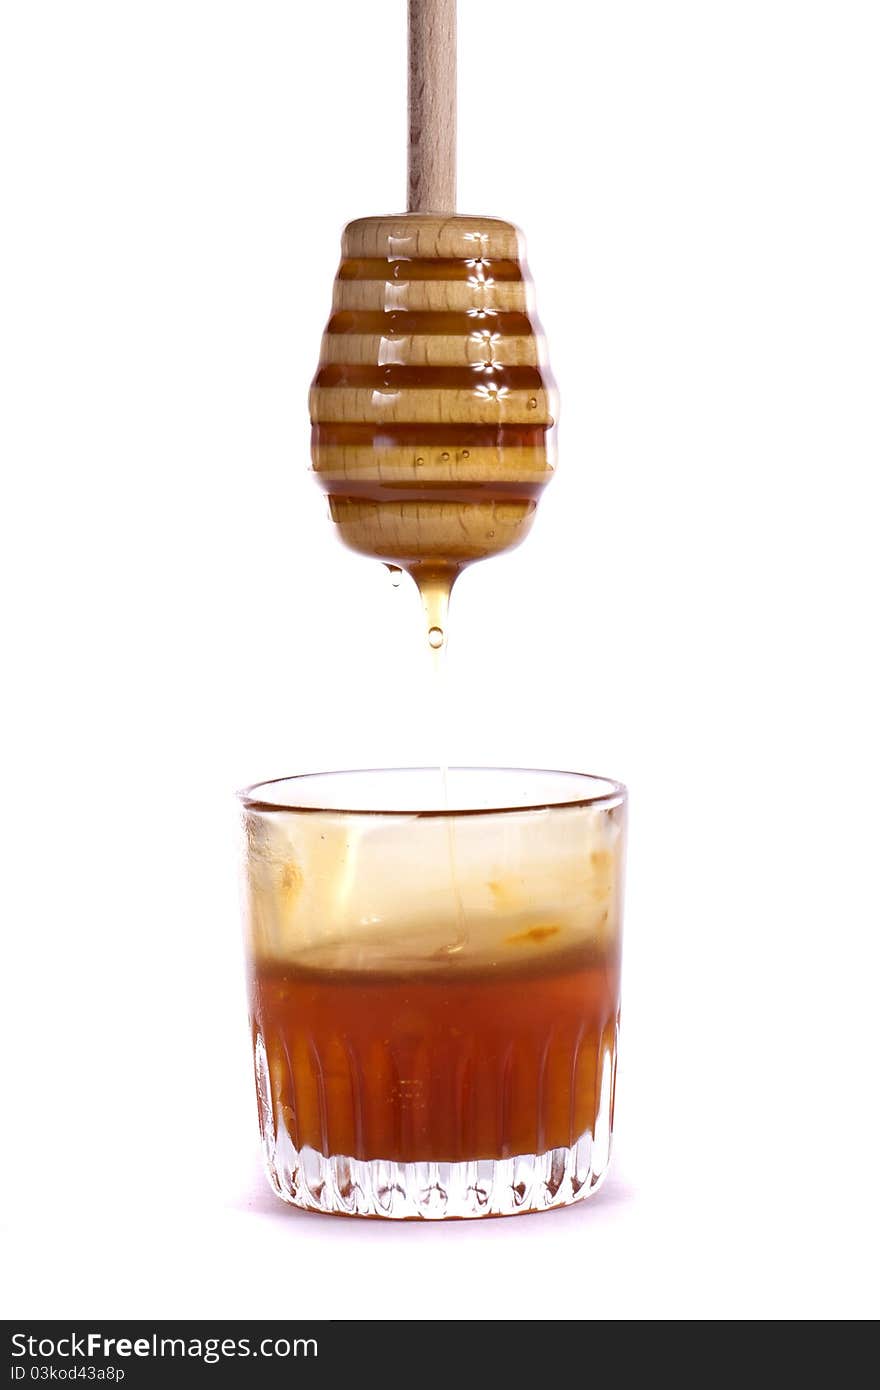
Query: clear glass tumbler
[{"x": 434, "y": 971}]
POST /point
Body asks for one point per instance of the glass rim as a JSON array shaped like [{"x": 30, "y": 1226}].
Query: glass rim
[{"x": 258, "y": 796}]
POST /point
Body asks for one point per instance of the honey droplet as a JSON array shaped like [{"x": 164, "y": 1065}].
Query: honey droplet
[
  {"x": 419, "y": 462},
  {"x": 445, "y": 458},
  {"x": 395, "y": 572},
  {"x": 533, "y": 403},
  {"x": 465, "y": 453},
  {"x": 435, "y": 637}
]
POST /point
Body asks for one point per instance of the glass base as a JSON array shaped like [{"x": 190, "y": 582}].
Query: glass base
[{"x": 344, "y": 1186}]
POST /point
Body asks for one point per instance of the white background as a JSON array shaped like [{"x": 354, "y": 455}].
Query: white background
[{"x": 695, "y": 613}]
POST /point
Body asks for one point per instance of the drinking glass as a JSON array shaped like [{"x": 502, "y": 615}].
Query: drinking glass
[{"x": 434, "y": 974}]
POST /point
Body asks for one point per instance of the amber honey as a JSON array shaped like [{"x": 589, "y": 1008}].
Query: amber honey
[{"x": 441, "y": 1065}]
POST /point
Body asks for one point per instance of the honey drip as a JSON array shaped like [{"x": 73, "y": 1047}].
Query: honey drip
[{"x": 434, "y": 583}]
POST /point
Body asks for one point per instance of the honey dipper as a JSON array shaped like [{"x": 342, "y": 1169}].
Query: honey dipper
[{"x": 433, "y": 407}]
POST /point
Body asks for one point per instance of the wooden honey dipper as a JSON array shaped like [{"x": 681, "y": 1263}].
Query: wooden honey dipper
[{"x": 433, "y": 408}]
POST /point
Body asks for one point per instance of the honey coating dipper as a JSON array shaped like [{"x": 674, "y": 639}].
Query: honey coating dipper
[{"x": 433, "y": 407}]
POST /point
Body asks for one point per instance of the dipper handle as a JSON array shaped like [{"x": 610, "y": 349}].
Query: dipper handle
[{"x": 431, "y": 99}]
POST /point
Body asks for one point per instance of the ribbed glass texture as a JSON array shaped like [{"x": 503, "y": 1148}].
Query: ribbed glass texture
[{"x": 435, "y": 993}]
